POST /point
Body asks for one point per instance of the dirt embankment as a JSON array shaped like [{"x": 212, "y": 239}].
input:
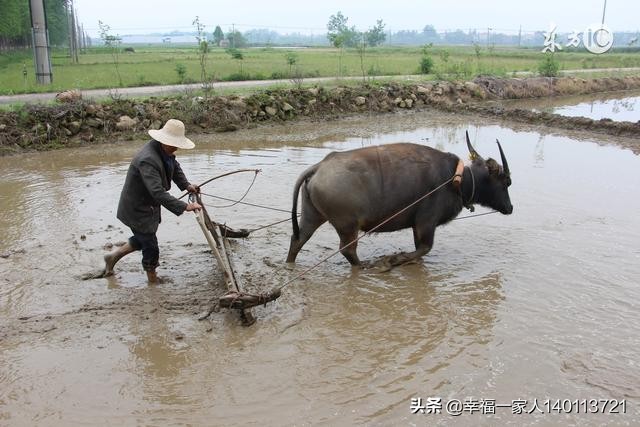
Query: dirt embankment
[{"x": 37, "y": 127}]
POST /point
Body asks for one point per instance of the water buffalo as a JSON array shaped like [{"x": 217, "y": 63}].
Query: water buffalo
[{"x": 358, "y": 189}]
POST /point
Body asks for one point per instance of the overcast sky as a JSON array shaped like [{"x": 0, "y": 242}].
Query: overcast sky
[{"x": 285, "y": 16}]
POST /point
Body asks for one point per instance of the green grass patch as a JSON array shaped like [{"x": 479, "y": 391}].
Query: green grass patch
[{"x": 156, "y": 65}]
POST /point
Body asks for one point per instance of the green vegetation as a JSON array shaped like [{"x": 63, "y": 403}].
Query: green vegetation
[
  {"x": 15, "y": 23},
  {"x": 155, "y": 65},
  {"x": 549, "y": 66},
  {"x": 426, "y": 63},
  {"x": 112, "y": 43}
]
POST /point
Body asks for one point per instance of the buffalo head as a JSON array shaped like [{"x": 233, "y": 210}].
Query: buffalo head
[{"x": 491, "y": 181}]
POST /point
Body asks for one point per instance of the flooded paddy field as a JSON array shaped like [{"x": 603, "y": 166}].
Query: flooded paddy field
[
  {"x": 621, "y": 106},
  {"x": 537, "y": 306}
]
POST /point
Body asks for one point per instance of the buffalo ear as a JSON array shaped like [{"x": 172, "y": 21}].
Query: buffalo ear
[{"x": 493, "y": 166}]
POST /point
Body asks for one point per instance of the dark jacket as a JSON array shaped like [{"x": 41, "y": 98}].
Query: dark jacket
[{"x": 146, "y": 188}]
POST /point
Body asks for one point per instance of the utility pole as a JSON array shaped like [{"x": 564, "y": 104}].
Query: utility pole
[
  {"x": 604, "y": 9},
  {"x": 40, "y": 36},
  {"x": 520, "y": 36},
  {"x": 73, "y": 40}
]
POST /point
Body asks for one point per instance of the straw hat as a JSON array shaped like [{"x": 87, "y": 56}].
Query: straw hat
[{"x": 172, "y": 133}]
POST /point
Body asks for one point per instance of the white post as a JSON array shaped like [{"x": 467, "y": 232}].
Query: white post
[{"x": 40, "y": 42}]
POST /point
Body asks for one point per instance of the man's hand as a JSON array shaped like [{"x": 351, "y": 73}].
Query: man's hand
[
  {"x": 193, "y": 189},
  {"x": 193, "y": 207}
]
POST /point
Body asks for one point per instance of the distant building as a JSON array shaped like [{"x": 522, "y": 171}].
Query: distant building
[
  {"x": 224, "y": 43},
  {"x": 166, "y": 40}
]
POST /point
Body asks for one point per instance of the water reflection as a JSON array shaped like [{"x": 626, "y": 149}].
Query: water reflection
[
  {"x": 617, "y": 106},
  {"x": 385, "y": 338}
]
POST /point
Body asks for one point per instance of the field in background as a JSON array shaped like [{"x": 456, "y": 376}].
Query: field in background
[{"x": 157, "y": 65}]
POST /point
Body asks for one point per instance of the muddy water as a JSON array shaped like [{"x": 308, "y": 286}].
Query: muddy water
[
  {"x": 542, "y": 304},
  {"x": 617, "y": 106}
]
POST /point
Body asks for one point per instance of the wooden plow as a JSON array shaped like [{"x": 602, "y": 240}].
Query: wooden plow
[{"x": 217, "y": 237}]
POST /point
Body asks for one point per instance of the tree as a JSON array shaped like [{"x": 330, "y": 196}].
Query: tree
[
  {"x": 218, "y": 35},
  {"x": 15, "y": 23},
  {"x": 340, "y": 34},
  {"x": 292, "y": 59},
  {"x": 113, "y": 43},
  {"x": 426, "y": 63},
  {"x": 203, "y": 48},
  {"x": 429, "y": 33},
  {"x": 376, "y": 35},
  {"x": 237, "y": 55},
  {"x": 236, "y": 39}
]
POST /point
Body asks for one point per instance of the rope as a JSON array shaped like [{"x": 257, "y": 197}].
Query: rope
[
  {"x": 271, "y": 225},
  {"x": 471, "y": 216},
  {"x": 286, "y": 211},
  {"x": 241, "y": 198},
  {"x": 244, "y": 203},
  {"x": 222, "y": 176},
  {"x": 288, "y": 282}
]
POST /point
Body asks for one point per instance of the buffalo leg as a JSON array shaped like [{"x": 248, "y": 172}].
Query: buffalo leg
[
  {"x": 349, "y": 250},
  {"x": 423, "y": 239},
  {"x": 309, "y": 222}
]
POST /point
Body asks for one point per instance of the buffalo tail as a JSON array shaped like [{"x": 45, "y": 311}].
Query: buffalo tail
[{"x": 294, "y": 210}]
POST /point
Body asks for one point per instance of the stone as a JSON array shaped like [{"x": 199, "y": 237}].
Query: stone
[
  {"x": 86, "y": 136},
  {"x": 286, "y": 107},
  {"x": 74, "y": 127},
  {"x": 238, "y": 104},
  {"x": 69, "y": 96},
  {"x": 423, "y": 89},
  {"x": 397, "y": 101},
  {"x": 313, "y": 91},
  {"x": 360, "y": 100},
  {"x": 408, "y": 102},
  {"x": 125, "y": 123},
  {"x": 270, "y": 111}
]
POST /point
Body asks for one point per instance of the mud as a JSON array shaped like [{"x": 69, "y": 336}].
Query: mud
[
  {"x": 540, "y": 304},
  {"x": 38, "y": 127}
]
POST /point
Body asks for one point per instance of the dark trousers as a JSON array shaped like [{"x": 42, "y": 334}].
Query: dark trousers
[{"x": 148, "y": 243}]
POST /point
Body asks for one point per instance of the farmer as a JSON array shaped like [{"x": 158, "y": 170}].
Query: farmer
[{"x": 145, "y": 189}]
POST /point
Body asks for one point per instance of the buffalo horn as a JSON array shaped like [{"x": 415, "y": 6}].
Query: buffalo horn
[
  {"x": 505, "y": 165},
  {"x": 472, "y": 151}
]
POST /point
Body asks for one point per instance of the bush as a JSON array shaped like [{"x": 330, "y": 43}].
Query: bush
[
  {"x": 549, "y": 66},
  {"x": 181, "y": 69},
  {"x": 235, "y": 77},
  {"x": 426, "y": 65}
]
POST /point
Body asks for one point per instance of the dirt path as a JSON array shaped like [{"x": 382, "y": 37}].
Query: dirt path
[{"x": 142, "y": 91}]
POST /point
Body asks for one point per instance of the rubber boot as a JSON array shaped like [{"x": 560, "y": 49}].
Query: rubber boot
[{"x": 112, "y": 258}]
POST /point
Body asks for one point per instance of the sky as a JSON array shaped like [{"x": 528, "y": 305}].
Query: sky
[{"x": 286, "y": 16}]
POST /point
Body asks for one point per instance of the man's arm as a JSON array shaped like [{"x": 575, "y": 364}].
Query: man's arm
[
  {"x": 153, "y": 182},
  {"x": 179, "y": 177}
]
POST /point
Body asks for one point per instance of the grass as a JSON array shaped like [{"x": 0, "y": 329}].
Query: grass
[{"x": 156, "y": 65}]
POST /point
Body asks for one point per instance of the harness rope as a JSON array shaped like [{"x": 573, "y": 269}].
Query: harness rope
[{"x": 240, "y": 299}]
